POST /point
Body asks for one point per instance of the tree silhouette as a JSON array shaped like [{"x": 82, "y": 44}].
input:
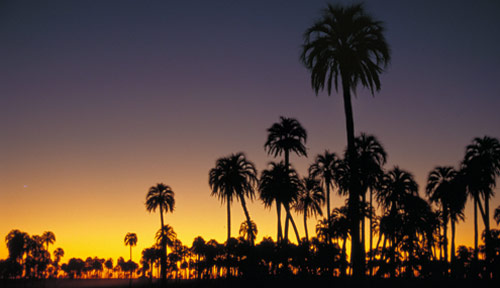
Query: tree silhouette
[
  {"x": 346, "y": 44},
  {"x": 394, "y": 192},
  {"x": 233, "y": 176},
  {"x": 440, "y": 190},
  {"x": 280, "y": 184},
  {"x": 481, "y": 167},
  {"x": 58, "y": 254},
  {"x": 371, "y": 156},
  {"x": 284, "y": 137},
  {"x": 325, "y": 167},
  {"x": 161, "y": 197},
  {"x": 48, "y": 237},
  {"x": 310, "y": 199},
  {"x": 497, "y": 215},
  {"x": 130, "y": 240},
  {"x": 249, "y": 231}
]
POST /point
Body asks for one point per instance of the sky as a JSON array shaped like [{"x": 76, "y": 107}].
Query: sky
[{"x": 100, "y": 100}]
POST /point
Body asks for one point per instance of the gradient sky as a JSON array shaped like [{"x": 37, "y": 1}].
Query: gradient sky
[{"x": 100, "y": 100}]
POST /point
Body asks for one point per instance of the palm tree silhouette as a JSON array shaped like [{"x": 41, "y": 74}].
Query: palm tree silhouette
[
  {"x": 48, "y": 238},
  {"x": 325, "y": 167},
  {"x": 280, "y": 184},
  {"x": 161, "y": 197},
  {"x": 346, "y": 43},
  {"x": 233, "y": 176},
  {"x": 481, "y": 167},
  {"x": 284, "y": 137},
  {"x": 497, "y": 215},
  {"x": 130, "y": 240},
  {"x": 310, "y": 199},
  {"x": 371, "y": 156},
  {"x": 165, "y": 237},
  {"x": 249, "y": 231},
  {"x": 395, "y": 189},
  {"x": 440, "y": 190}
]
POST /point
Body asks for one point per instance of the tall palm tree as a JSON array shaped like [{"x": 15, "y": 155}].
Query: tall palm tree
[
  {"x": 280, "y": 184},
  {"x": 249, "y": 231},
  {"x": 161, "y": 197},
  {"x": 481, "y": 166},
  {"x": 48, "y": 237},
  {"x": 325, "y": 167},
  {"x": 440, "y": 190},
  {"x": 284, "y": 137},
  {"x": 310, "y": 199},
  {"x": 396, "y": 188},
  {"x": 346, "y": 44},
  {"x": 130, "y": 240},
  {"x": 371, "y": 156},
  {"x": 233, "y": 176}
]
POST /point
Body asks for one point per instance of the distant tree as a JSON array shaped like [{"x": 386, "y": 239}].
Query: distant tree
[
  {"x": 497, "y": 215},
  {"x": 280, "y": 184},
  {"x": 284, "y": 137},
  {"x": 58, "y": 254},
  {"x": 48, "y": 237},
  {"x": 198, "y": 249},
  {"x": 248, "y": 231},
  {"x": 161, "y": 197},
  {"x": 130, "y": 240},
  {"x": 440, "y": 190},
  {"x": 481, "y": 167},
  {"x": 233, "y": 177},
  {"x": 325, "y": 167},
  {"x": 310, "y": 199},
  {"x": 109, "y": 265},
  {"x": 165, "y": 237}
]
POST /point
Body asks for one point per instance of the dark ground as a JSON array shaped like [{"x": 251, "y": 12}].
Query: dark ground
[{"x": 254, "y": 283}]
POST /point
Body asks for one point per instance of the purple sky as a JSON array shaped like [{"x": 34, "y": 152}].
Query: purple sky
[{"x": 102, "y": 99}]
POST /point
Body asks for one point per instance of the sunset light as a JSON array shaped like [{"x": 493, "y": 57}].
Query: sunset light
[{"x": 119, "y": 117}]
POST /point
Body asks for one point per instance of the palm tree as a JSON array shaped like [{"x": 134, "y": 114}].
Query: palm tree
[
  {"x": 497, "y": 215},
  {"x": 371, "y": 156},
  {"x": 16, "y": 242},
  {"x": 310, "y": 199},
  {"x": 161, "y": 197},
  {"x": 457, "y": 205},
  {"x": 396, "y": 188},
  {"x": 440, "y": 190},
  {"x": 166, "y": 237},
  {"x": 233, "y": 176},
  {"x": 249, "y": 231},
  {"x": 130, "y": 240},
  {"x": 325, "y": 166},
  {"x": 284, "y": 137},
  {"x": 346, "y": 43},
  {"x": 48, "y": 238},
  {"x": 58, "y": 254},
  {"x": 481, "y": 166},
  {"x": 280, "y": 184}
]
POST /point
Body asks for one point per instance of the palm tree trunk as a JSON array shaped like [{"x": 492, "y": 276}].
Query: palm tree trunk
[
  {"x": 487, "y": 239},
  {"x": 363, "y": 218},
  {"x": 286, "y": 223},
  {"x": 289, "y": 218},
  {"x": 475, "y": 230},
  {"x": 305, "y": 225},
  {"x": 327, "y": 181},
  {"x": 228, "y": 235},
  {"x": 356, "y": 248},
  {"x": 452, "y": 252},
  {"x": 163, "y": 258},
  {"x": 371, "y": 233},
  {"x": 445, "y": 232},
  {"x": 280, "y": 234}
]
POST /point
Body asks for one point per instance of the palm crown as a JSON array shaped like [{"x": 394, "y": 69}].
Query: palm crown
[
  {"x": 345, "y": 43},
  {"x": 285, "y": 136}
]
